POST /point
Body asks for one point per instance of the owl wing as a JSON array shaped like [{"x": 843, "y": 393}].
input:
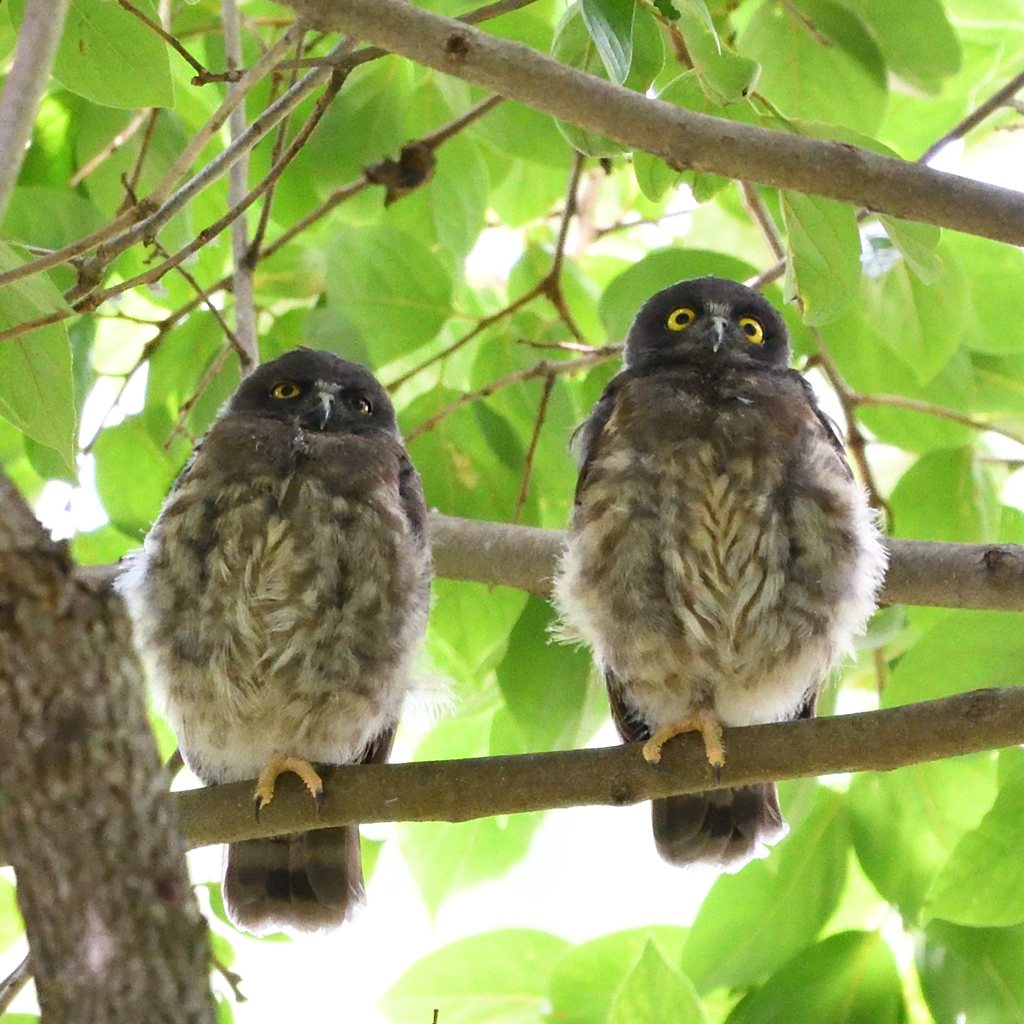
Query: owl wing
[
  {"x": 832, "y": 431},
  {"x": 410, "y": 491},
  {"x": 583, "y": 443},
  {"x": 630, "y": 726}
]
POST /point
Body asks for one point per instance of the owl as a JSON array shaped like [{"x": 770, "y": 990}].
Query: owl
[
  {"x": 278, "y": 602},
  {"x": 721, "y": 557}
]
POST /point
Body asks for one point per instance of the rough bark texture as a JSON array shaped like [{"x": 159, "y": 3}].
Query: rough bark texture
[{"x": 85, "y": 816}]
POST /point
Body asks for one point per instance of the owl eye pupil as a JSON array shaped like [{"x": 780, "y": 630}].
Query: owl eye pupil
[
  {"x": 680, "y": 319},
  {"x": 752, "y": 329},
  {"x": 360, "y": 404},
  {"x": 285, "y": 389}
]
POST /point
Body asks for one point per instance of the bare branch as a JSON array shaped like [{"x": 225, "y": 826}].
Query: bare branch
[
  {"x": 682, "y": 138},
  {"x": 238, "y": 186},
  {"x": 461, "y": 790},
  {"x": 19, "y": 103},
  {"x": 984, "y": 576}
]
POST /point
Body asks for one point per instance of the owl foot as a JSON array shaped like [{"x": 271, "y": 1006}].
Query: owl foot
[
  {"x": 277, "y": 766},
  {"x": 706, "y": 723}
]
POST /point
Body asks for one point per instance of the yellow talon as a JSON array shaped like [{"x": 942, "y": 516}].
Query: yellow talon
[
  {"x": 704, "y": 722},
  {"x": 276, "y": 767}
]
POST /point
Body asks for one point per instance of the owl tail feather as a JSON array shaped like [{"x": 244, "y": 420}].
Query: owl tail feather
[
  {"x": 724, "y": 827},
  {"x": 303, "y": 883}
]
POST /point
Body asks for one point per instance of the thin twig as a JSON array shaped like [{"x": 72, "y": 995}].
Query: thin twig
[
  {"x": 545, "y": 368},
  {"x": 238, "y": 184},
  {"x": 131, "y": 181},
  {"x": 137, "y": 121},
  {"x": 761, "y": 216},
  {"x": 998, "y": 99},
  {"x": 14, "y": 983},
  {"x": 212, "y": 230},
  {"x": 531, "y": 451},
  {"x": 164, "y": 35},
  {"x": 931, "y": 409},
  {"x": 958, "y": 131}
]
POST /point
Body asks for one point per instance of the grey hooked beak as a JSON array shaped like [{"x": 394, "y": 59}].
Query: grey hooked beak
[
  {"x": 321, "y": 413},
  {"x": 716, "y": 334}
]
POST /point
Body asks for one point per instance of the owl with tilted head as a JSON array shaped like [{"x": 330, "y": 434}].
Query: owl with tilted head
[
  {"x": 721, "y": 557},
  {"x": 278, "y": 602}
]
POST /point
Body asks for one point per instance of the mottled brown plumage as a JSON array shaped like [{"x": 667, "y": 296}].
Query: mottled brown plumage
[
  {"x": 278, "y": 603},
  {"x": 721, "y": 557}
]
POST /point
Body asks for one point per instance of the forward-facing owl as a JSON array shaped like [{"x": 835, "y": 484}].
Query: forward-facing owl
[
  {"x": 278, "y": 603},
  {"x": 721, "y": 557}
]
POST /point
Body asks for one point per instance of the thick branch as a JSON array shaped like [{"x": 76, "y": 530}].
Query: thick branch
[
  {"x": 940, "y": 575},
  {"x": 616, "y": 776},
  {"x": 680, "y": 137},
  {"x": 984, "y": 576}
]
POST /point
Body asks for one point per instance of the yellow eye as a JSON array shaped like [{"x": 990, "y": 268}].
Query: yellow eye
[
  {"x": 680, "y": 319},
  {"x": 359, "y": 404},
  {"x": 286, "y": 389},
  {"x": 752, "y": 329}
]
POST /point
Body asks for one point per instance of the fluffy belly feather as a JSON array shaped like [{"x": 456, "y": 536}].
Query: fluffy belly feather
[{"x": 691, "y": 589}]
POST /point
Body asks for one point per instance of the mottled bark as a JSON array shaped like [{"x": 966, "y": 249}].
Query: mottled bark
[{"x": 85, "y": 816}]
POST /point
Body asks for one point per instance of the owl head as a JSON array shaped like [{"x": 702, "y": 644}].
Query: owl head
[
  {"x": 708, "y": 318},
  {"x": 317, "y": 391}
]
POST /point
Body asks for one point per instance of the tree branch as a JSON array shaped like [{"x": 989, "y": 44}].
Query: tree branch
[
  {"x": 617, "y": 776},
  {"x": 19, "y": 102},
  {"x": 680, "y": 137},
  {"x": 932, "y": 573}
]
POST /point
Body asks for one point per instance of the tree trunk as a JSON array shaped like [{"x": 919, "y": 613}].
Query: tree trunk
[{"x": 86, "y": 818}]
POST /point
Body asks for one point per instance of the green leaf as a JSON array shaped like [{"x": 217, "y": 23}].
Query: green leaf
[
  {"x": 724, "y": 76},
  {"x": 984, "y": 646},
  {"x": 972, "y": 974},
  {"x": 610, "y": 24},
  {"x": 49, "y": 217},
  {"x": 849, "y": 978},
  {"x": 800, "y": 67},
  {"x": 470, "y": 626},
  {"x": 923, "y": 323},
  {"x": 995, "y": 275},
  {"x": 396, "y": 292},
  {"x": 499, "y": 977},
  {"x": 823, "y": 255},
  {"x": 946, "y": 495},
  {"x": 444, "y": 857},
  {"x": 982, "y": 883},
  {"x": 35, "y": 368},
  {"x": 133, "y": 475},
  {"x": 917, "y": 244},
  {"x": 11, "y": 925},
  {"x": 750, "y": 923},
  {"x": 906, "y": 823},
  {"x": 549, "y": 716},
  {"x": 655, "y": 991},
  {"x": 109, "y": 56},
  {"x": 659, "y": 268},
  {"x": 574, "y": 45},
  {"x": 653, "y": 175},
  {"x": 916, "y": 38},
  {"x": 861, "y": 349},
  {"x": 585, "y": 981}
]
